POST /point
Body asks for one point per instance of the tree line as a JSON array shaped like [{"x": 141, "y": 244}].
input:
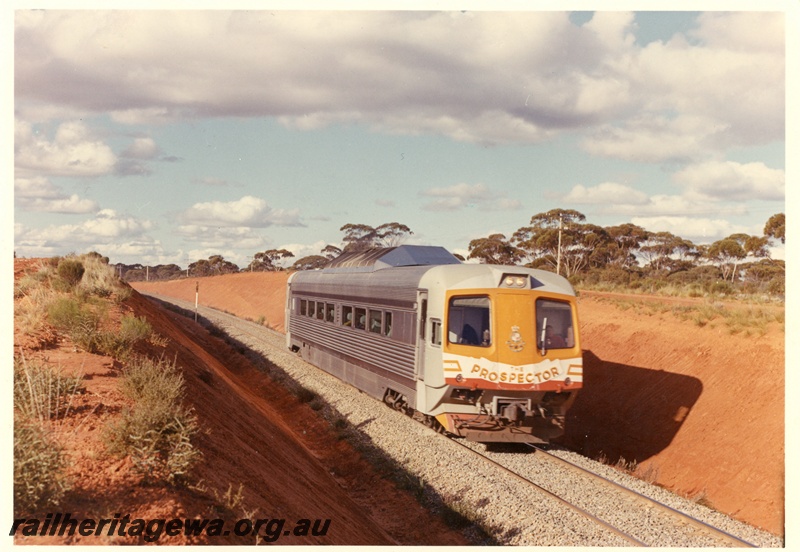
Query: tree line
[{"x": 559, "y": 240}]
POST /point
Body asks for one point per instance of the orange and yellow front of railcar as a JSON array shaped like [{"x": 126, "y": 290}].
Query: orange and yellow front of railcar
[{"x": 515, "y": 356}]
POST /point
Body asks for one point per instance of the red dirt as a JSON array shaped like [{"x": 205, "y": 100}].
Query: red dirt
[
  {"x": 254, "y": 433},
  {"x": 700, "y": 410}
]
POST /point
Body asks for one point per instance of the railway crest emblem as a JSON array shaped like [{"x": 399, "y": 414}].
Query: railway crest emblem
[{"x": 515, "y": 343}]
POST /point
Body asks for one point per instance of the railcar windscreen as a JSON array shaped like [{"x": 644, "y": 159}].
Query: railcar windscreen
[
  {"x": 468, "y": 320},
  {"x": 554, "y": 324}
]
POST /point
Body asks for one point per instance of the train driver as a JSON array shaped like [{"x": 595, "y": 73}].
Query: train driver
[{"x": 552, "y": 339}]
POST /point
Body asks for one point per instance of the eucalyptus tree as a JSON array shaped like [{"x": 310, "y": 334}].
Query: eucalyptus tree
[
  {"x": 310, "y": 262},
  {"x": 622, "y": 244},
  {"x": 559, "y": 238},
  {"x": 776, "y": 227},
  {"x": 659, "y": 249},
  {"x": 214, "y": 265},
  {"x": 494, "y": 249},
  {"x": 358, "y": 237},
  {"x": 729, "y": 252},
  {"x": 267, "y": 261},
  {"x": 330, "y": 252}
]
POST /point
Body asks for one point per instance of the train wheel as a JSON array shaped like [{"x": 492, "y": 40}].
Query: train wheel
[{"x": 434, "y": 424}]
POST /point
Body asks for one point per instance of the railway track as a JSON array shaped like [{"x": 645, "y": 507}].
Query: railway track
[
  {"x": 526, "y": 496},
  {"x": 638, "y": 502},
  {"x": 682, "y": 517}
]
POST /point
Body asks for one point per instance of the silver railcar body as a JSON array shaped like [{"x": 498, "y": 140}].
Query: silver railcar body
[{"x": 462, "y": 344}]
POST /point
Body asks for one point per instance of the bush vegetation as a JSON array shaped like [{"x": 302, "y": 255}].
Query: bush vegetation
[
  {"x": 73, "y": 296},
  {"x": 39, "y": 467},
  {"x": 70, "y": 271},
  {"x": 41, "y": 393},
  {"x": 156, "y": 431}
]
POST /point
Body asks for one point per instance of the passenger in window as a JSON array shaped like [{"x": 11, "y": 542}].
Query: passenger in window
[
  {"x": 375, "y": 323},
  {"x": 552, "y": 339},
  {"x": 469, "y": 336},
  {"x": 361, "y": 319}
]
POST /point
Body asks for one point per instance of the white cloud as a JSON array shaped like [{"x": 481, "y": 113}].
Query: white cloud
[
  {"x": 72, "y": 152},
  {"x": 744, "y": 31},
  {"x": 485, "y": 77},
  {"x": 462, "y": 195},
  {"x": 734, "y": 77},
  {"x": 729, "y": 180},
  {"x": 141, "y": 148},
  {"x": 655, "y": 139},
  {"x": 249, "y": 212},
  {"x": 39, "y": 194},
  {"x": 699, "y": 230},
  {"x": 223, "y": 238},
  {"x": 301, "y": 250},
  {"x": 107, "y": 231},
  {"x": 614, "y": 198},
  {"x": 606, "y": 193}
]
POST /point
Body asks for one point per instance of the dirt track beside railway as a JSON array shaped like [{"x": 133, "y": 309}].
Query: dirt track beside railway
[{"x": 697, "y": 409}]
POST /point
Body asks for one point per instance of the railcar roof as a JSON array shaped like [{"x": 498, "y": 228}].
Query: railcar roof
[{"x": 378, "y": 258}]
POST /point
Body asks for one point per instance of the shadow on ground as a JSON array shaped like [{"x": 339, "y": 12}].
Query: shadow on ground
[{"x": 627, "y": 412}]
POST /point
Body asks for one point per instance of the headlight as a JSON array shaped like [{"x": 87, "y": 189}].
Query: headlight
[{"x": 519, "y": 281}]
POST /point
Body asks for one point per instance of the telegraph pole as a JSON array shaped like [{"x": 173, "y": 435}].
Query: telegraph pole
[{"x": 558, "y": 255}]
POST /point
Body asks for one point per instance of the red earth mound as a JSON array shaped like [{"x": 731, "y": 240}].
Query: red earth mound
[
  {"x": 693, "y": 406},
  {"x": 255, "y": 435}
]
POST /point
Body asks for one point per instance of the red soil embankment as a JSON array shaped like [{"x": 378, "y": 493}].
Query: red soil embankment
[
  {"x": 249, "y": 295},
  {"x": 254, "y": 435}
]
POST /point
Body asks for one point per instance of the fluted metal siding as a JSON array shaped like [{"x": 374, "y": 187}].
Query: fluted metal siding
[
  {"x": 397, "y": 285},
  {"x": 375, "y": 349}
]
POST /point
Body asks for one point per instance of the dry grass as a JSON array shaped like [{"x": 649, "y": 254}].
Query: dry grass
[
  {"x": 157, "y": 430},
  {"x": 42, "y": 393},
  {"x": 748, "y": 318}
]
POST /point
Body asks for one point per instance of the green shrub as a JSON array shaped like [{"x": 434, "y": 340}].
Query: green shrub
[
  {"x": 120, "y": 344},
  {"x": 156, "y": 431},
  {"x": 39, "y": 467},
  {"x": 721, "y": 288},
  {"x": 71, "y": 271},
  {"x": 42, "y": 391},
  {"x": 100, "y": 279},
  {"x": 134, "y": 329},
  {"x": 78, "y": 320}
]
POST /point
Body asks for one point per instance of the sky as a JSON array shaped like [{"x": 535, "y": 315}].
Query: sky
[{"x": 168, "y": 136}]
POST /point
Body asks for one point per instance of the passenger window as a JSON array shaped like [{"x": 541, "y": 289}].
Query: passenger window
[
  {"x": 375, "y": 321},
  {"x": 554, "y": 329},
  {"x": 303, "y": 307},
  {"x": 330, "y": 312},
  {"x": 320, "y": 310},
  {"x": 347, "y": 316},
  {"x": 468, "y": 321},
  {"x": 387, "y": 324},
  {"x": 361, "y": 318},
  {"x": 312, "y": 308}
]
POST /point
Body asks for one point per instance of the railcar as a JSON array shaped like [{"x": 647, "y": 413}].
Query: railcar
[{"x": 489, "y": 353}]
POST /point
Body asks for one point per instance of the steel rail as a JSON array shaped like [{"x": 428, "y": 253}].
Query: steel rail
[
  {"x": 627, "y": 537},
  {"x": 683, "y": 516}
]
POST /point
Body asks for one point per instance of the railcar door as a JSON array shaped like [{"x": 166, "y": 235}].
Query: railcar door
[{"x": 422, "y": 318}]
